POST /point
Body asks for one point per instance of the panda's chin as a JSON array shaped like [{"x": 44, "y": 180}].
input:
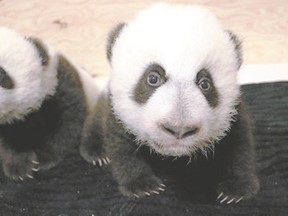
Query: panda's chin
[{"x": 175, "y": 149}]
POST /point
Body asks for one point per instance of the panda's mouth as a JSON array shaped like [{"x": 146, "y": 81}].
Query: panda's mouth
[
  {"x": 170, "y": 144},
  {"x": 175, "y": 149}
]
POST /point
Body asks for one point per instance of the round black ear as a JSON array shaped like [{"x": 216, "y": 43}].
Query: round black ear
[
  {"x": 238, "y": 47},
  {"x": 114, "y": 33},
  {"x": 41, "y": 48}
]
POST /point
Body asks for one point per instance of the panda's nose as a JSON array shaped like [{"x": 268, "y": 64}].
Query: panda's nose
[{"x": 178, "y": 131}]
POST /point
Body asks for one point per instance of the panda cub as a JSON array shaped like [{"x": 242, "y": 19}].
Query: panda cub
[
  {"x": 173, "y": 88},
  {"x": 43, "y": 105}
]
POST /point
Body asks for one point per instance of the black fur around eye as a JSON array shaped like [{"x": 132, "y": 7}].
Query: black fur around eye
[
  {"x": 154, "y": 79},
  {"x": 205, "y": 83}
]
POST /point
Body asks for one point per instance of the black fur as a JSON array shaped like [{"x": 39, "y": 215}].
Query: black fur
[
  {"x": 112, "y": 39},
  {"x": 5, "y": 80},
  {"x": 92, "y": 143},
  {"x": 27, "y": 134},
  {"x": 132, "y": 173},
  {"x": 233, "y": 163},
  {"x": 235, "y": 159},
  {"x": 143, "y": 91},
  {"x": 49, "y": 133},
  {"x": 211, "y": 94}
]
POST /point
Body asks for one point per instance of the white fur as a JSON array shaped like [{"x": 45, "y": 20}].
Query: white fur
[
  {"x": 183, "y": 40},
  {"x": 33, "y": 82}
]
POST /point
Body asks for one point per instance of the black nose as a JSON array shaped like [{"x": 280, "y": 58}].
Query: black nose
[{"x": 179, "y": 132}]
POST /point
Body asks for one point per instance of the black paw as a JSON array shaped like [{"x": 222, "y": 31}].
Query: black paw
[
  {"x": 234, "y": 191},
  {"x": 21, "y": 166},
  {"x": 142, "y": 186},
  {"x": 93, "y": 155}
]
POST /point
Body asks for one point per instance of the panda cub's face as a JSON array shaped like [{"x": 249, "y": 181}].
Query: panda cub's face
[
  {"x": 27, "y": 75},
  {"x": 174, "y": 78}
]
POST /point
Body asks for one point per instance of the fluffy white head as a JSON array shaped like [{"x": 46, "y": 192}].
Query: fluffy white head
[
  {"x": 21, "y": 64},
  {"x": 182, "y": 40}
]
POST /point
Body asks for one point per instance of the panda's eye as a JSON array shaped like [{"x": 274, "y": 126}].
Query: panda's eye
[
  {"x": 154, "y": 79},
  {"x": 204, "y": 84}
]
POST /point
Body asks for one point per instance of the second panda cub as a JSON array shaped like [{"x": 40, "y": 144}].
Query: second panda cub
[
  {"x": 174, "y": 89},
  {"x": 43, "y": 104}
]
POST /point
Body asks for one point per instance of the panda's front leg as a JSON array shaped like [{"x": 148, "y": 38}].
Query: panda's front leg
[
  {"x": 18, "y": 165},
  {"x": 92, "y": 144},
  {"x": 238, "y": 179},
  {"x": 132, "y": 173},
  {"x": 65, "y": 138}
]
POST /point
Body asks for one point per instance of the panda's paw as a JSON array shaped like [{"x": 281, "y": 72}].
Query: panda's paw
[
  {"x": 101, "y": 161},
  {"x": 21, "y": 166},
  {"x": 142, "y": 186},
  {"x": 96, "y": 159},
  {"x": 94, "y": 155},
  {"x": 234, "y": 191}
]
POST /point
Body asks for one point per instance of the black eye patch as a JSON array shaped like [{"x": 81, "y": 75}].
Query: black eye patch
[
  {"x": 153, "y": 77},
  {"x": 205, "y": 83},
  {"x": 5, "y": 80}
]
